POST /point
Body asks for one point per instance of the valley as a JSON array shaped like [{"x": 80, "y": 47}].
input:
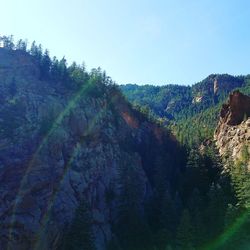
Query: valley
[{"x": 89, "y": 164}]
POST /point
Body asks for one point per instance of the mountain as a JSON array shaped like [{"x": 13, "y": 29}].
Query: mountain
[
  {"x": 180, "y": 106},
  {"x": 83, "y": 168},
  {"x": 62, "y": 144}
]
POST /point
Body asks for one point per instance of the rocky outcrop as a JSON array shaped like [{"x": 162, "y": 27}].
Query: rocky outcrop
[
  {"x": 233, "y": 130},
  {"x": 58, "y": 147},
  {"x": 197, "y": 99},
  {"x": 236, "y": 110},
  {"x": 216, "y": 86}
]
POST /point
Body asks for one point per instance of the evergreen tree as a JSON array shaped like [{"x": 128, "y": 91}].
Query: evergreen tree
[
  {"x": 167, "y": 223},
  {"x": 45, "y": 65},
  {"x": 185, "y": 232},
  {"x": 21, "y": 45},
  {"x": 8, "y": 42},
  {"x": 80, "y": 235},
  {"x": 77, "y": 74},
  {"x": 195, "y": 176},
  {"x": 62, "y": 69},
  {"x": 132, "y": 229},
  {"x": 241, "y": 179},
  {"x": 196, "y": 207},
  {"x": 54, "y": 69},
  {"x": 36, "y": 51},
  {"x": 215, "y": 211}
]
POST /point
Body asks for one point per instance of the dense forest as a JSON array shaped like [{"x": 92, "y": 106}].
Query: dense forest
[
  {"x": 179, "y": 106},
  {"x": 205, "y": 207}
]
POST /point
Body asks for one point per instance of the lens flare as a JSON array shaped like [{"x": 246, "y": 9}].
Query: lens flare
[
  {"x": 229, "y": 232},
  {"x": 21, "y": 191},
  {"x": 46, "y": 216}
]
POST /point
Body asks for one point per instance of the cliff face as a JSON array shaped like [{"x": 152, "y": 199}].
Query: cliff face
[
  {"x": 233, "y": 130},
  {"x": 215, "y": 86},
  {"x": 58, "y": 147}
]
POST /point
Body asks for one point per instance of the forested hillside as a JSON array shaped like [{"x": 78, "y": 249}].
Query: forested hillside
[{"x": 180, "y": 106}]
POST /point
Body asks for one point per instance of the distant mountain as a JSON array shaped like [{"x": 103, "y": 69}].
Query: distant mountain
[{"x": 181, "y": 106}]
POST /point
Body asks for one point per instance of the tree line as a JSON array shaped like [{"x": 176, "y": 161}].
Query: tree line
[{"x": 72, "y": 76}]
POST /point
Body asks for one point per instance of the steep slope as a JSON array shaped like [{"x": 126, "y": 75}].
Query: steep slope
[
  {"x": 232, "y": 134},
  {"x": 62, "y": 144}
]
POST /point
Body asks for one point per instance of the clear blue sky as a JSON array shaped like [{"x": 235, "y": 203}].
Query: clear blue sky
[{"x": 139, "y": 41}]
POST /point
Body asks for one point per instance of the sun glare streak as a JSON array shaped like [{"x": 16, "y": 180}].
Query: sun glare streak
[
  {"x": 228, "y": 233},
  {"x": 71, "y": 105},
  {"x": 45, "y": 218}
]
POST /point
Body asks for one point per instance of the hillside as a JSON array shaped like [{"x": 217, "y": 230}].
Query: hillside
[{"x": 180, "y": 106}]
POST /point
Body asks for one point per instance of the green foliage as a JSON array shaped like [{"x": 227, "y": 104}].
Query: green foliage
[
  {"x": 177, "y": 107},
  {"x": 45, "y": 65},
  {"x": 241, "y": 179},
  {"x": 163, "y": 101},
  {"x": 185, "y": 232},
  {"x": 7, "y": 42},
  {"x": 238, "y": 214},
  {"x": 203, "y": 125},
  {"x": 22, "y": 45},
  {"x": 73, "y": 78},
  {"x": 132, "y": 229}
]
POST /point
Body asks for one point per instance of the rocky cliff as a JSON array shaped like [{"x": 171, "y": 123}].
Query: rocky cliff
[
  {"x": 233, "y": 131},
  {"x": 59, "y": 147}
]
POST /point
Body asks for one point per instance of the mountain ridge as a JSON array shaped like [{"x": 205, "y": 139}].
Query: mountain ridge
[{"x": 179, "y": 106}]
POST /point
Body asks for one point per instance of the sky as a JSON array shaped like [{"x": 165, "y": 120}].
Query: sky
[{"x": 138, "y": 41}]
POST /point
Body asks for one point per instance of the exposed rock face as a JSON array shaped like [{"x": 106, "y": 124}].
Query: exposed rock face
[
  {"x": 238, "y": 108},
  {"x": 197, "y": 99},
  {"x": 216, "y": 87},
  {"x": 58, "y": 147},
  {"x": 233, "y": 131}
]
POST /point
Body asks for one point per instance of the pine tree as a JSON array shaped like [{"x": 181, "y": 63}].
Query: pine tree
[
  {"x": 241, "y": 179},
  {"x": 21, "y": 45},
  {"x": 77, "y": 74},
  {"x": 215, "y": 211},
  {"x": 45, "y": 65},
  {"x": 62, "y": 69},
  {"x": 185, "y": 231},
  {"x": 80, "y": 235},
  {"x": 36, "y": 51},
  {"x": 196, "y": 207},
  {"x": 8, "y": 42},
  {"x": 167, "y": 223},
  {"x": 132, "y": 229},
  {"x": 54, "y": 69}
]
